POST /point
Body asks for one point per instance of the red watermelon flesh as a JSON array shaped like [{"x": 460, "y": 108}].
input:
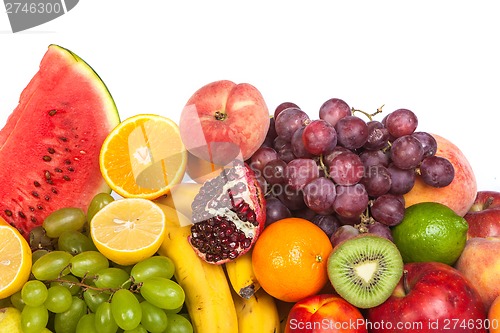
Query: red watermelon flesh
[{"x": 49, "y": 147}]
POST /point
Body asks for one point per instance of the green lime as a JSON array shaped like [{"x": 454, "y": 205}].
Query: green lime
[{"x": 430, "y": 231}]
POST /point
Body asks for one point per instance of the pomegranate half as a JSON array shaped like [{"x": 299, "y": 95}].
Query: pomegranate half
[{"x": 228, "y": 215}]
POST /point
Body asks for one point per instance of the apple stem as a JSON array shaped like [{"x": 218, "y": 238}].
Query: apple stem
[
  {"x": 488, "y": 202},
  {"x": 406, "y": 287}
]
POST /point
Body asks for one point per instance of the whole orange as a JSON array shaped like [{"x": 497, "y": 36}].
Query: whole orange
[
  {"x": 494, "y": 316},
  {"x": 289, "y": 259}
]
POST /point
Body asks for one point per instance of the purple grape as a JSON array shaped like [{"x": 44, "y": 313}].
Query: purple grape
[
  {"x": 380, "y": 229},
  {"x": 328, "y": 158},
  {"x": 301, "y": 171},
  {"x": 388, "y": 209},
  {"x": 283, "y": 106},
  {"x": 328, "y": 223},
  {"x": 351, "y": 201},
  {"x": 293, "y": 200},
  {"x": 401, "y": 122},
  {"x": 305, "y": 213},
  {"x": 298, "y": 146},
  {"x": 374, "y": 157},
  {"x": 343, "y": 233},
  {"x": 402, "y": 181},
  {"x": 406, "y": 152},
  {"x": 346, "y": 168},
  {"x": 352, "y": 132},
  {"x": 377, "y": 180},
  {"x": 334, "y": 109},
  {"x": 437, "y": 171},
  {"x": 275, "y": 210},
  {"x": 428, "y": 142},
  {"x": 378, "y": 136},
  {"x": 261, "y": 157},
  {"x": 288, "y": 121},
  {"x": 319, "y": 137},
  {"x": 286, "y": 153},
  {"x": 274, "y": 172},
  {"x": 319, "y": 194}
]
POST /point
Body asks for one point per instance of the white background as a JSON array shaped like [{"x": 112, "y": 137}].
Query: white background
[{"x": 437, "y": 58}]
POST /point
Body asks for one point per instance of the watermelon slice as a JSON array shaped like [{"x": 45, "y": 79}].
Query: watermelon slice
[{"x": 49, "y": 146}]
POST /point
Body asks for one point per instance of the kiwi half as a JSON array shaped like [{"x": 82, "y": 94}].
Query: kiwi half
[{"x": 364, "y": 270}]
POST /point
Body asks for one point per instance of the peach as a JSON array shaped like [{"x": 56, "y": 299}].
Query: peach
[
  {"x": 325, "y": 313},
  {"x": 223, "y": 121},
  {"x": 480, "y": 264},
  {"x": 460, "y": 194}
]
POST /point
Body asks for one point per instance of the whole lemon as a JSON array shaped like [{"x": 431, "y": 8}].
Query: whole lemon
[
  {"x": 10, "y": 320},
  {"x": 430, "y": 231}
]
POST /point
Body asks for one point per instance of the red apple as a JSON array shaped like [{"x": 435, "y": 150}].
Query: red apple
[
  {"x": 324, "y": 313},
  {"x": 480, "y": 263},
  {"x": 484, "y": 215},
  {"x": 460, "y": 194},
  {"x": 224, "y": 121},
  {"x": 431, "y": 297}
]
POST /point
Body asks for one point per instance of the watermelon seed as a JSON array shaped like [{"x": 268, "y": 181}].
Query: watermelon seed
[
  {"x": 40, "y": 207},
  {"x": 47, "y": 158},
  {"x": 51, "y": 150},
  {"x": 35, "y": 194},
  {"x": 54, "y": 190},
  {"x": 70, "y": 169},
  {"x": 47, "y": 198},
  {"x": 58, "y": 170},
  {"x": 67, "y": 161},
  {"x": 62, "y": 138},
  {"x": 32, "y": 208},
  {"x": 33, "y": 220},
  {"x": 52, "y": 112},
  {"x": 8, "y": 212},
  {"x": 37, "y": 184},
  {"x": 66, "y": 178},
  {"x": 47, "y": 175},
  {"x": 21, "y": 215}
]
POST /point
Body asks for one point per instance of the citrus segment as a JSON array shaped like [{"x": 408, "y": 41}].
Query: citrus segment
[
  {"x": 128, "y": 230},
  {"x": 15, "y": 260},
  {"x": 143, "y": 157},
  {"x": 290, "y": 259}
]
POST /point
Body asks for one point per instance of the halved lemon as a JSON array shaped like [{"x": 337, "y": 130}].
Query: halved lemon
[
  {"x": 128, "y": 230},
  {"x": 15, "y": 260},
  {"x": 143, "y": 157}
]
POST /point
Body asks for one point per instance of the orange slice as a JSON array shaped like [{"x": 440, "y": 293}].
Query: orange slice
[
  {"x": 143, "y": 157},
  {"x": 128, "y": 230},
  {"x": 15, "y": 260}
]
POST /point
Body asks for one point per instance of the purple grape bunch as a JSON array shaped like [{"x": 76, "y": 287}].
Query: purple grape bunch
[{"x": 346, "y": 173}]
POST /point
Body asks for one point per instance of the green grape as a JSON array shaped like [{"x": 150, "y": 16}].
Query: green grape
[
  {"x": 17, "y": 300},
  {"x": 97, "y": 203},
  {"x": 126, "y": 309},
  {"x": 178, "y": 324},
  {"x": 153, "y": 319},
  {"x": 177, "y": 310},
  {"x": 69, "y": 282},
  {"x": 155, "y": 266},
  {"x": 58, "y": 299},
  {"x": 64, "y": 219},
  {"x": 65, "y": 322},
  {"x": 104, "y": 321},
  {"x": 52, "y": 265},
  {"x": 34, "y": 293},
  {"x": 37, "y": 254},
  {"x": 112, "y": 277},
  {"x": 86, "y": 324},
  {"x": 75, "y": 242},
  {"x": 88, "y": 262},
  {"x": 34, "y": 318},
  {"x": 163, "y": 293},
  {"x": 138, "y": 329},
  {"x": 94, "y": 298}
]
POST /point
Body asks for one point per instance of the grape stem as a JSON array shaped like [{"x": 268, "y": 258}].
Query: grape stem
[
  {"x": 84, "y": 286},
  {"x": 368, "y": 115}
]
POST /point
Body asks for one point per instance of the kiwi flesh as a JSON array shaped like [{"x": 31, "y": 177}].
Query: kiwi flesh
[{"x": 364, "y": 270}]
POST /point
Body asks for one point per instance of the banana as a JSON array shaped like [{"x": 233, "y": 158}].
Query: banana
[
  {"x": 180, "y": 198},
  {"x": 208, "y": 294},
  {"x": 241, "y": 276},
  {"x": 257, "y": 314}
]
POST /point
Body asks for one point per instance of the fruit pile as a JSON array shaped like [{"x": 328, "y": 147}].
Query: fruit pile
[{"x": 234, "y": 219}]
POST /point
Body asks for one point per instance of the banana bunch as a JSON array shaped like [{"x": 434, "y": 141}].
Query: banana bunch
[{"x": 216, "y": 301}]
